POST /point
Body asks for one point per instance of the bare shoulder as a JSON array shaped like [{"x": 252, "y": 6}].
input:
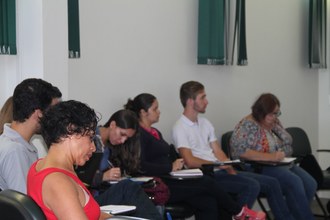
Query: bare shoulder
[{"x": 58, "y": 187}]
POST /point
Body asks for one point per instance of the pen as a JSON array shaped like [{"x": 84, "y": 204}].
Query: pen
[
  {"x": 168, "y": 215},
  {"x": 110, "y": 164}
]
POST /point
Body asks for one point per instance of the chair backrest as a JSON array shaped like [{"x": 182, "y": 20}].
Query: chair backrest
[
  {"x": 300, "y": 142},
  {"x": 225, "y": 146},
  {"x": 225, "y": 143},
  {"x": 303, "y": 151},
  {"x": 310, "y": 164},
  {"x": 18, "y": 206}
]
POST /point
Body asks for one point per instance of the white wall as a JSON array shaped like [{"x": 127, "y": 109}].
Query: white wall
[
  {"x": 324, "y": 112},
  {"x": 130, "y": 47},
  {"x": 42, "y": 41}
]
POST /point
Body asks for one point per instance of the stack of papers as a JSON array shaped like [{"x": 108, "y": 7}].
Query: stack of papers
[
  {"x": 116, "y": 209},
  {"x": 285, "y": 161},
  {"x": 187, "y": 172},
  {"x": 141, "y": 179},
  {"x": 288, "y": 159},
  {"x": 122, "y": 217}
]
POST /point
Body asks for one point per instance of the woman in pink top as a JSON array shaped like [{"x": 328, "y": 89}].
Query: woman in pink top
[{"x": 68, "y": 129}]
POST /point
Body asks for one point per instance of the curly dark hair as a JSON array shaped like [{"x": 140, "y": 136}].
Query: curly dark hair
[
  {"x": 30, "y": 95},
  {"x": 67, "y": 118}
]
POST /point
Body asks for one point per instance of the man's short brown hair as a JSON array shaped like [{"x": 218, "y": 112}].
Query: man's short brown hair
[{"x": 190, "y": 90}]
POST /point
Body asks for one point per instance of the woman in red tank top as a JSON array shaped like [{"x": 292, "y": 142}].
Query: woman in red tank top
[{"x": 68, "y": 129}]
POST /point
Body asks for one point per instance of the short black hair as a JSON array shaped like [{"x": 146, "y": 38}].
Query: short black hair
[
  {"x": 67, "y": 118},
  {"x": 32, "y": 94}
]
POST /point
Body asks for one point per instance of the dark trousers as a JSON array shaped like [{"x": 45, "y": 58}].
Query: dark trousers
[
  {"x": 204, "y": 195},
  {"x": 127, "y": 192}
]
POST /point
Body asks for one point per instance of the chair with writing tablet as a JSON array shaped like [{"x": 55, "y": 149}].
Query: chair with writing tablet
[
  {"x": 302, "y": 150},
  {"x": 180, "y": 210}
]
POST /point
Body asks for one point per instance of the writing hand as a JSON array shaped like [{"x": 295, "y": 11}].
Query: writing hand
[
  {"x": 112, "y": 174},
  {"x": 279, "y": 155},
  {"x": 177, "y": 164}
]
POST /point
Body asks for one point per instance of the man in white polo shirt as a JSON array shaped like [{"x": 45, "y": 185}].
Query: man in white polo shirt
[{"x": 195, "y": 139}]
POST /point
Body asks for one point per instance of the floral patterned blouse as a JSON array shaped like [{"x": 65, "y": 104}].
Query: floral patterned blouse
[{"x": 248, "y": 134}]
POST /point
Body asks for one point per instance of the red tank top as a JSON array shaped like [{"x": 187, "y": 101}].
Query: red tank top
[{"x": 34, "y": 186}]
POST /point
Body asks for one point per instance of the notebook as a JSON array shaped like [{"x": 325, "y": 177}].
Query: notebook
[
  {"x": 187, "y": 172},
  {"x": 117, "y": 209},
  {"x": 86, "y": 173},
  {"x": 284, "y": 162},
  {"x": 140, "y": 179}
]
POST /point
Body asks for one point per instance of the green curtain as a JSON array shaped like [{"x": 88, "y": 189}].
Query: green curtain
[
  {"x": 8, "y": 27},
  {"x": 317, "y": 34},
  {"x": 73, "y": 25},
  {"x": 211, "y": 32},
  {"x": 214, "y": 30},
  {"x": 241, "y": 33}
]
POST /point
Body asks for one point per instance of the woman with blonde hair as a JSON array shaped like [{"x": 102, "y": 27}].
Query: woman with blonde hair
[{"x": 6, "y": 113}]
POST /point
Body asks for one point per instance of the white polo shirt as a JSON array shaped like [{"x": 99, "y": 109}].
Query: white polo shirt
[{"x": 196, "y": 136}]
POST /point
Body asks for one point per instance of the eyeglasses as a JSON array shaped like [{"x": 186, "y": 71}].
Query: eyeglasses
[{"x": 277, "y": 114}]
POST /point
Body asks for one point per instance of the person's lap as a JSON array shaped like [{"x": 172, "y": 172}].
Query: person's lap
[
  {"x": 196, "y": 192},
  {"x": 271, "y": 189},
  {"x": 295, "y": 184},
  {"x": 246, "y": 189},
  {"x": 127, "y": 192}
]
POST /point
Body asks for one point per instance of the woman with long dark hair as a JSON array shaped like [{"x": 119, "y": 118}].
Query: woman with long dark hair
[
  {"x": 203, "y": 194},
  {"x": 118, "y": 140}
]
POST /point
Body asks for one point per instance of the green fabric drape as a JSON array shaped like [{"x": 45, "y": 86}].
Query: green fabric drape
[
  {"x": 214, "y": 32},
  {"x": 211, "y": 32},
  {"x": 241, "y": 33},
  {"x": 317, "y": 34},
  {"x": 73, "y": 25},
  {"x": 8, "y": 27}
]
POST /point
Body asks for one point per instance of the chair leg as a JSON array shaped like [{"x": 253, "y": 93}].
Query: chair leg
[
  {"x": 263, "y": 209},
  {"x": 325, "y": 214}
]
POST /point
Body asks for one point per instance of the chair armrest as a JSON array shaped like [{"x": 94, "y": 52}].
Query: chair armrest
[
  {"x": 266, "y": 163},
  {"x": 258, "y": 165},
  {"x": 323, "y": 150}
]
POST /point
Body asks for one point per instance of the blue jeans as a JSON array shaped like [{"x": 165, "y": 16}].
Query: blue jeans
[
  {"x": 245, "y": 189},
  {"x": 298, "y": 188},
  {"x": 271, "y": 188},
  {"x": 127, "y": 192}
]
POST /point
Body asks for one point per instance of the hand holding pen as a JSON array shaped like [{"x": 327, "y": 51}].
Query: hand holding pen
[
  {"x": 112, "y": 174},
  {"x": 279, "y": 155},
  {"x": 177, "y": 164}
]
